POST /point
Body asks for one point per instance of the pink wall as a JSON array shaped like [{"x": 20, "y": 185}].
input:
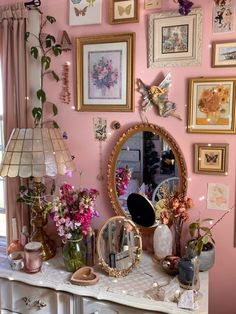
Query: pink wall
[{"x": 79, "y": 126}]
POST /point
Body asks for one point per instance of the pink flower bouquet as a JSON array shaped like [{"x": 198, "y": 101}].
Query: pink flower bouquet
[{"x": 73, "y": 211}]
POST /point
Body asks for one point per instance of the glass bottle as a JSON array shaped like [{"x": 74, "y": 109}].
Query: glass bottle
[
  {"x": 15, "y": 244},
  {"x": 189, "y": 272}
]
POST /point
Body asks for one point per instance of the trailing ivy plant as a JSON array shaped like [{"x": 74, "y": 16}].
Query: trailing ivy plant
[{"x": 43, "y": 51}]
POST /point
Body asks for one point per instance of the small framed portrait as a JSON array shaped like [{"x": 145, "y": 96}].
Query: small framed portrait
[
  {"x": 105, "y": 72},
  {"x": 123, "y": 11},
  {"x": 211, "y": 107},
  {"x": 224, "y": 54},
  {"x": 174, "y": 39},
  {"x": 211, "y": 158}
]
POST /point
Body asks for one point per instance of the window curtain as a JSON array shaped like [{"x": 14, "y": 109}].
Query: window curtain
[{"x": 13, "y": 19}]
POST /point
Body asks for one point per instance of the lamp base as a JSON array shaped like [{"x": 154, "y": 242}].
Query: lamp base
[{"x": 48, "y": 247}]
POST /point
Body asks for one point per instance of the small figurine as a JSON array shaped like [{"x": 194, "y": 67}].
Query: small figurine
[{"x": 158, "y": 96}]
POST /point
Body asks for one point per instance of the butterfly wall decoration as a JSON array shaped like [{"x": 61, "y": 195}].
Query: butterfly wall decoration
[
  {"x": 85, "y": 12},
  {"x": 124, "y": 10},
  {"x": 211, "y": 158},
  {"x": 157, "y": 96}
]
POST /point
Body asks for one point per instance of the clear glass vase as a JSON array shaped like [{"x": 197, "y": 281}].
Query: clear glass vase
[{"x": 74, "y": 254}]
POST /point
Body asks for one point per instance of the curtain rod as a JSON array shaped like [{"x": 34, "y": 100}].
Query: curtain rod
[{"x": 33, "y": 3}]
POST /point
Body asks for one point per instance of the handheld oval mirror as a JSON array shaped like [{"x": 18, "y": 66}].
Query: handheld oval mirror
[
  {"x": 119, "y": 246},
  {"x": 141, "y": 210}
]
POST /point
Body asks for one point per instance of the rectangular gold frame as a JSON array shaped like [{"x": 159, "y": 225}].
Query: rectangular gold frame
[
  {"x": 224, "y": 54},
  {"x": 211, "y": 106},
  {"x": 118, "y": 46},
  {"x": 211, "y": 158},
  {"x": 115, "y": 10}
]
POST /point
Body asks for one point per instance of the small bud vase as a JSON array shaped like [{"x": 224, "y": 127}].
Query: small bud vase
[
  {"x": 73, "y": 254},
  {"x": 189, "y": 272}
]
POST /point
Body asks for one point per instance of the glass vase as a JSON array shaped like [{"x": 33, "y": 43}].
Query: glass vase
[
  {"x": 189, "y": 272},
  {"x": 74, "y": 254}
]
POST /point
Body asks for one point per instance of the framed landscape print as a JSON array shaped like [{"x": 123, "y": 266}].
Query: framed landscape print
[
  {"x": 224, "y": 54},
  {"x": 123, "y": 11},
  {"x": 175, "y": 40},
  {"x": 211, "y": 107},
  {"x": 105, "y": 72},
  {"x": 85, "y": 12},
  {"x": 211, "y": 158}
]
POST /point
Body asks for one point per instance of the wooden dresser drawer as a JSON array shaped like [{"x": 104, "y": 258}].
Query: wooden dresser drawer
[
  {"x": 92, "y": 306},
  {"x": 22, "y": 298}
]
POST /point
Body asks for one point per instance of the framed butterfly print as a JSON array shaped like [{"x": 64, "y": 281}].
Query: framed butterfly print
[
  {"x": 211, "y": 107},
  {"x": 211, "y": 158},
  {"x": 123, "y": 11},
  {"x": 85, "y": 12},
  {"x": 105, "y": 72}
]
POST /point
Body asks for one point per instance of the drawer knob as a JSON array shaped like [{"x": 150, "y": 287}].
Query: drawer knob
[{"x": 38, "y": 304}]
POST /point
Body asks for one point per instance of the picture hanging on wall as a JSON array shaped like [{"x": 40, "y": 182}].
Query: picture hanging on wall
[
  {"x": 85, "y": 12},
  {"x": 223, "y": 17},
  {"x": 224, "y": 54},
  {"x": 123, "y": 11},
  {"x": 211, "y": 158},
  {"x": 211, "y": 107},
  {"x": 218, "y": 196},
  {"x": 175, "y": 40},
  {"x": 105, "y": 72}
]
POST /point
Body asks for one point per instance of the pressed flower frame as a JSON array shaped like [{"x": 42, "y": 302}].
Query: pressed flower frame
[
  {"x": 211, "y": 105},
  {"x": 105, "y": 72}
]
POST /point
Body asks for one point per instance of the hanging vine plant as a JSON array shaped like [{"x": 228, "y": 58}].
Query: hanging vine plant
[{"x": 46, "y": 49}]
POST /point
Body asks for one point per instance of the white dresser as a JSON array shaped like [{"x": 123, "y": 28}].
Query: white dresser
[{"x": 50, "y": 291}]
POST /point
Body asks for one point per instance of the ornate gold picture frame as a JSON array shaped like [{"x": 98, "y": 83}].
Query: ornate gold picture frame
[
  {"x": 211, "y": 107},
  {"x": 211, "y": 158},
  {"x": 105, "y": 72}
]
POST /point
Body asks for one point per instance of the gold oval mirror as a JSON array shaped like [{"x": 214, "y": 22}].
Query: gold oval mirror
[
  {"x": 145, "y": 158},
  {"x": 119, "y": 246}
]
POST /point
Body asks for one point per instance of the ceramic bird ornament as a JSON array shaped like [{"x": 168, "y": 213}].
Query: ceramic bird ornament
[{"x": 158, "y": 96}]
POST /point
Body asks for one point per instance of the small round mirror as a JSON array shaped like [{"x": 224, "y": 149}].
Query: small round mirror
[{"x": 119, "y": 246}]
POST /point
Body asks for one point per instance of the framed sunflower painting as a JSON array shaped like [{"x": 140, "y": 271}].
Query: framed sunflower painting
[{"x": 211, "y": 106}]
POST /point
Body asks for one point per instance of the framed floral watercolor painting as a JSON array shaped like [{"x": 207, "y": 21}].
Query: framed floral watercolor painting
[
  {"x": 105, "y": 72},
  {"x": 123, "y": 11},
  {"x": 211, "y": 158},
  {"x": 211, "y": 107},
  {"x": 174, "y": 39},
  {"x": 224, "y": 54}
]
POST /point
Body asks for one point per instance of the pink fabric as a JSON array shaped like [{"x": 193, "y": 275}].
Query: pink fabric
[{"x": 14, "y": 74}]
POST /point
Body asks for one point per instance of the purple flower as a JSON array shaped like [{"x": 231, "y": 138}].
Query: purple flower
[{"x": 185, "y": 7}]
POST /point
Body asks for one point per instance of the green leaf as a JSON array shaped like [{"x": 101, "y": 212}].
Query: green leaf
[
  {"x": 50, "y": 40},
  {"x": 192, "y": 228},
  {"x": 51, "y": 19},
  {"x": 55, "y": 125},
  {"x": 206, "y": 229},
  {"x": 27, "y": 35},
  {"x": 199, "y": 247},
  {"x": 207, "y": 219},
  {"x": 41, "y": 95},
  {"x": 55, "y": 76},
  {"x": 46, "y": 61},
  {"x": 205, "y": 239},
  {"x": 54, "y": 109},
  {"x": 37, "y": 114},
  {"x": 34, "y": 52},
  {"x": 57, "y": 50}
]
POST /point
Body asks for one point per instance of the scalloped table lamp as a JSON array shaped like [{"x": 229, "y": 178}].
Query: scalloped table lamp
[{"x": 37, "y": 153}]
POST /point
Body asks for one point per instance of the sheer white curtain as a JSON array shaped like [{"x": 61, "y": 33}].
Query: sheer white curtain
[{"x": 13, "y": 20}]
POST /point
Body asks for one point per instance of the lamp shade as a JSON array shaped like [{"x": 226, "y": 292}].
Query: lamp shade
[{"x": 36, "y": 152}]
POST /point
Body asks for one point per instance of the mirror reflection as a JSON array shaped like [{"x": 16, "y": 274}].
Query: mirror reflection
[
  {"x": 119, "y": 246},
  {"x": 145, "y": 163}
]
